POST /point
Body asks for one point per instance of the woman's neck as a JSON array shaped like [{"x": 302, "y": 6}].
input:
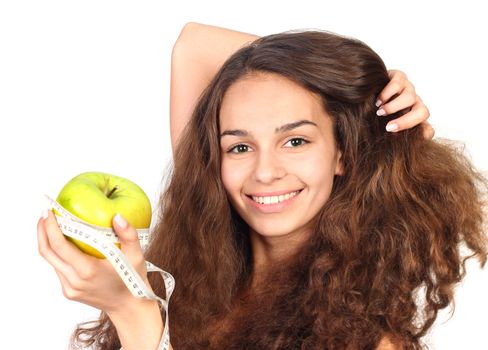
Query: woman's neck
[{"x": 271, "y": 251}]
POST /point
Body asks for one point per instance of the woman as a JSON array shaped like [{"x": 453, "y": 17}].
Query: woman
[{"x": 292, "y": 219}]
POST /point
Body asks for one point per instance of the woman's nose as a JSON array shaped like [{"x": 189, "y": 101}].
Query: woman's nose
[{"x": 268, "y": 167}]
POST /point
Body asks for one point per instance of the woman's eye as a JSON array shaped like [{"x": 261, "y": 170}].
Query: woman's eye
[
  {"x": 238, "y": 149},
  {"x": 297, "y": 141}
]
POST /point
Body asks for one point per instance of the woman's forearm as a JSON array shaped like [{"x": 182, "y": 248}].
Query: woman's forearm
[
  {"x": 198, "y": 53},
  {"x": 139, "y": 325}
]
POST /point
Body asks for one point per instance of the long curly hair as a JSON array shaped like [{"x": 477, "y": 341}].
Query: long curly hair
[{"x": 387, "y": 248}]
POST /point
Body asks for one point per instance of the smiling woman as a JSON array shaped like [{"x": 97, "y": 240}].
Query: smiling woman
[
  {"x": 294, "y": 220},
  {"x": 375, "y": 219}
]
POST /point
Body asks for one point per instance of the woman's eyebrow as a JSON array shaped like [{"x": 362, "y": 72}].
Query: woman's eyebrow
[{"x": 283, "y": 128}]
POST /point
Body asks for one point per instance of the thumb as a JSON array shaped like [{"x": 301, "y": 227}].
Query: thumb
[{"x": 129, "y": 240}]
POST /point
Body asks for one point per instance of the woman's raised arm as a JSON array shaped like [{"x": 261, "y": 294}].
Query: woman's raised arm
[
  {"x": 198, "y": 53},
  {"x": 201, "y": 50}
]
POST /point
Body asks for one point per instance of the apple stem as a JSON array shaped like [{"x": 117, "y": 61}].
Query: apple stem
[{"x": 113, "y": 190}]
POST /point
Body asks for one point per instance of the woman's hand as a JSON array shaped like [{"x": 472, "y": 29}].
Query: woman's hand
[
  {"x": 407, "y": 97},
  {"x": 94, "y": 282},
  {"x": 84, "y": 278}
]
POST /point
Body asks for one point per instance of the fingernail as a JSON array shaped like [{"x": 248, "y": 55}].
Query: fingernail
[
  {"x": 380, "y": 112},
  {"x": 120, "y": 221},
  {"x": 391, "y": 127},
  {"x": 44, "y": 214},
  {"x": 378, "y": 103}
]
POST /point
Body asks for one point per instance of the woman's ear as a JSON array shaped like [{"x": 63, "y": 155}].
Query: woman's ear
[{"x": 339, "y": 169}]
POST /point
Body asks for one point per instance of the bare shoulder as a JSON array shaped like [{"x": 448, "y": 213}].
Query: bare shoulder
[{"x": 386, "y": 344}]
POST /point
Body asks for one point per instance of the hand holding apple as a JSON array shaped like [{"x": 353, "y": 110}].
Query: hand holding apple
[
  {"x": 93, "y": 281},
  {"x": 96, "y": 197},
  {"x": 87, "y": 279}
]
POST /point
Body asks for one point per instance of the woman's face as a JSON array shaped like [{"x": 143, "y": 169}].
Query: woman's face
[{"x": 279, "y": 156}]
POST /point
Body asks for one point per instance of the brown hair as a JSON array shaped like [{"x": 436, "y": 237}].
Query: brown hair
[{"x": 385, "y": 253}]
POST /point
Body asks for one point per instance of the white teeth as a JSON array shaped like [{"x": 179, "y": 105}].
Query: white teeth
[{"x": 274, "y": 199}]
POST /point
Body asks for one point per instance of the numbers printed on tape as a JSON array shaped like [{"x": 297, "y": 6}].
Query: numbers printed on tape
[{"x": 103, "y": 239}]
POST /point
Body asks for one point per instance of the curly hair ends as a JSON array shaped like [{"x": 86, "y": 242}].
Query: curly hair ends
[
  {"x": 95, "y": 334},
  {"x": 385, "y": 254}
]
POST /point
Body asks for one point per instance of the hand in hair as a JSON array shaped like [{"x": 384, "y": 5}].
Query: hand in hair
[
  {"x": 94, "y": 282},
  {"x": 404, "y": 96}
]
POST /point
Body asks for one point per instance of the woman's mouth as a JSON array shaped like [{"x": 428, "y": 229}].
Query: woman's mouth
[
  {"x": 272, "y": 204},
  {"x": 274, "y": 199}
]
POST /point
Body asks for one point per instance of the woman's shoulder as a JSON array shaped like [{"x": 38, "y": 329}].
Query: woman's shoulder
[{"x": 386, "y": 344}]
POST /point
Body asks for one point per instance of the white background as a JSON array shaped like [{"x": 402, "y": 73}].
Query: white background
[{"x": 84, "y": 85}]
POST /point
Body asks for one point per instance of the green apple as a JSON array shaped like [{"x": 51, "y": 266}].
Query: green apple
[{"x": 96, "y": 197}]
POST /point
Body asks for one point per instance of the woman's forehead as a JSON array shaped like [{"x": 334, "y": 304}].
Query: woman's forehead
[{"x": 267, "y": 96}]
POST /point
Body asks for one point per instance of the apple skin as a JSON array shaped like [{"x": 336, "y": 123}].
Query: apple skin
[{"x": 96, "y": 197}]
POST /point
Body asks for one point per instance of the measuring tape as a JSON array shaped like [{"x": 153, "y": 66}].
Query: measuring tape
[{"x": 103, "y": 239}]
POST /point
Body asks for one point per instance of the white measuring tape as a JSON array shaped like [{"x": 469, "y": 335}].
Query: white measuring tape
[{"x": 103, "y": 239}]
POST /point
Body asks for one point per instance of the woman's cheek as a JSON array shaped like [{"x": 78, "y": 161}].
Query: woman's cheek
[
  {"x": 318, "y": 168},
  {"x": 232, "y": 173}
]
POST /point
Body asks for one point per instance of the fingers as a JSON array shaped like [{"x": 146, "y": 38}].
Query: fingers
[
  {"x": 129, "y": 241},
  {"x": 398, "y": 83},
  {"x": 48, "y": 253},
  {"x": 62, "y": 254},
  {"x": 406, "y": 99},
  {"x": 64, "y": 270},
  {"x": 417, "y": 115}
]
